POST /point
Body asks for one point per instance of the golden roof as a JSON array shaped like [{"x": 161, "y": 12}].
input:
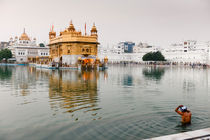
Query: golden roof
[
  {"x": 71, "y": 27},
  {"x": 24, "y": 36},
  {"x": 94, "y": 28}
]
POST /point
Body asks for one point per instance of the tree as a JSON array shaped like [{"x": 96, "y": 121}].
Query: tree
[
  {"x": 41, "y": 45},
  {"x": 148, "y": 57},
  {"x": 5, "y": 54},
  {"x": 155, "y": 56}
]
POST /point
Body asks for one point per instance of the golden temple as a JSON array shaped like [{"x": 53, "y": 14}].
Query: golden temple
[{"x": 71, "y": 45}]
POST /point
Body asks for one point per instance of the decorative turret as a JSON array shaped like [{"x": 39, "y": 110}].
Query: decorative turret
[
  {"x": 71, "y": 27},
  {"x": 52, "y": 34},
  {"x": 24, "y": 36},
  {"x": 93, "y": 30}
]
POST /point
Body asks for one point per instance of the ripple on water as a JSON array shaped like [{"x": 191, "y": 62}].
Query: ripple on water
[
  {"x": 130, "y": 127},
  {"x": 131, "y": 104}
]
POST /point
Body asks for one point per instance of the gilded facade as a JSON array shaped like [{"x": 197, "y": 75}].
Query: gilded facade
[{"x": 71, "y": 45}]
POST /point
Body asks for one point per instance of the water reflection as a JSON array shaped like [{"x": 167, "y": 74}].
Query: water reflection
[
  {"x": 188, "y": 86},
  {"x": 155, "y": 73},
  {"x": 73, "y": 90},
  {"x": 65, "y": 102},
  {"x": 5, "y": 72},
  {"x": 128, "y": 80},
  {"x": 26, "y": 80}
]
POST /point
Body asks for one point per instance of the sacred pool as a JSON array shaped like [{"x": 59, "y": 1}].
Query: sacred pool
[{"x": 120, "y": 103}]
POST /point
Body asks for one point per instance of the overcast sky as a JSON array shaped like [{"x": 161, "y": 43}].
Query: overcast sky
[{"x": 159, "y": 22}]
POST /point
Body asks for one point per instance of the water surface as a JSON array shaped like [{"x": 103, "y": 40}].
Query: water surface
[{"x": 123, "y": 102}]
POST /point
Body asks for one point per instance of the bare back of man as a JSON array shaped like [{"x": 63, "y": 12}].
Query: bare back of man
[{"x": 186, "y": 115}]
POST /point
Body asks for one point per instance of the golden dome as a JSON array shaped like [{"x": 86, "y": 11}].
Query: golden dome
[
  {"x": 24, "y": 36},
  {"x": 71, "y": 27},
  {"x": 94, "y": 28}
]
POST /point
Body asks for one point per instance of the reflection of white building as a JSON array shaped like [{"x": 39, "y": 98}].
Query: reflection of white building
[{"x": 26, "y": 50}]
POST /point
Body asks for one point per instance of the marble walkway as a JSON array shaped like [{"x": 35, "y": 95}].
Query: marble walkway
[{"x": 202, "y": 134}]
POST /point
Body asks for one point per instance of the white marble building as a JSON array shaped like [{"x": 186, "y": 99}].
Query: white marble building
[
  {"x": 25, "y": 50},
  {"x": 189, "y": 51},
  {"x": 116, "y": 53}
]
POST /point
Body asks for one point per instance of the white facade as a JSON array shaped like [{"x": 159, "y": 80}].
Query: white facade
[
  {"x": 189, "y": 51},
  {"x": 23, "y": 48},
  {"x": 116, "y": 54}
]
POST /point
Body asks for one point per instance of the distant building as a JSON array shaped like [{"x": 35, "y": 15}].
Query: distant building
[
  {"x": 141, "y": 46},
  {"x": 126, "y": 47},
  {"x": 188, "y": 51},
  {"x": 26, "y": 50},
  {"x": 117, "y": 53},
  {"x": 4, "y": 45}
]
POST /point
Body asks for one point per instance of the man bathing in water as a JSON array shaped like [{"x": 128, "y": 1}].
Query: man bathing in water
[{"x": 186, "y": 114}]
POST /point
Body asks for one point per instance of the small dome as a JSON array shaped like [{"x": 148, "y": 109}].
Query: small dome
[
  {"x": 71, "y": 27},
  {"x": 24, "y": 36},
  {"x": 94, "y": 28}
]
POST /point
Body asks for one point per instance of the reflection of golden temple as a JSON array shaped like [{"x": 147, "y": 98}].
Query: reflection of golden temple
[
  {"x": 72, "y": 49},
  {"x": 75, "y": 90}
]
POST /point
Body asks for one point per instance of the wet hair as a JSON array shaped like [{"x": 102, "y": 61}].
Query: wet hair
[{"x": 184, "y": 110}]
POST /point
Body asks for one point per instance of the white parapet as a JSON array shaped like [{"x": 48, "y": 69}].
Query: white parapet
[{"x": 202, "y": 134}]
